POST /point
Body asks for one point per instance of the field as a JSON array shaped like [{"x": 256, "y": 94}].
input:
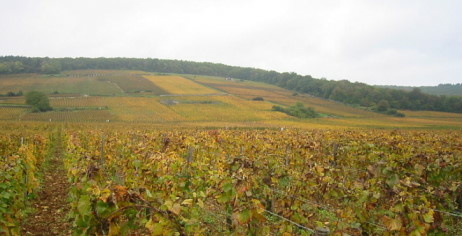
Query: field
[
  {"x": 11, "y": 113},
  {"x": 249, "y": 90},
  {"x": 179, "y": 85},
  {"x": 136, "y": 153},
  {"x": 190, "y": 100},
  {"x": 145, "y": 179},
  {"x": 56, "y": 83}
]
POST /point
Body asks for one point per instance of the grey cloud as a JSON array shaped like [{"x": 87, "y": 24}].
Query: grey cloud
[{"x": 377, "y": 42}]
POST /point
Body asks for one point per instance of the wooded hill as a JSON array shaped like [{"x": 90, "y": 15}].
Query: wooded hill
[
  {"x": 359, "y": 94},
  {"x": 441, "y": 89}
]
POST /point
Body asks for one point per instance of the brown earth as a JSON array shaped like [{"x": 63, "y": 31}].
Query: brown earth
[{"x": 51, "y": 206}]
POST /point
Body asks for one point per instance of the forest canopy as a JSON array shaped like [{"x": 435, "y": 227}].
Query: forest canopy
[{"x": 359, "y": 94}]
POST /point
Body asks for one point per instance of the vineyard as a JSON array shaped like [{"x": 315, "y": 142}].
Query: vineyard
[
  {"x": 22, "y": 155},
  {"x": 130, "y": 97},
  {"x": 249, "y": 90},
  {"x": 138, "y": 153},
  {"x": 244, "y": 182},
  {"x": 179, "y": 85},
  {"x": 265, "y": 182}
]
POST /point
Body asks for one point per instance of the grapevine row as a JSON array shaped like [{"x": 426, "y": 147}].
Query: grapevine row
[
  {"x": 222, "y": 181},
  {"x": 21, "y": 157}
]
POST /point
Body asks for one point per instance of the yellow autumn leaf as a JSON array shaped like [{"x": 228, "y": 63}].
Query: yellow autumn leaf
[
  {"x": 258, "y": 206},
  {"x": 392, "y": 224},
  {"x": 154, "y": 228},
  {"x": 114, "y": 229},
  {"x": 176, "y": 209},
  {"x": 200, "y": 203},
  {"x": 320, "y": 170},
  {"x": 428, "y": 217},
  {"x": 105, "y": 194},
  {"x": 149, "y": 225},
  {"x": 187, "y": 202}
]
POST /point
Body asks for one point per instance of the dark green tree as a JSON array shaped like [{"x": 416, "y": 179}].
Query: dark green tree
[
  {"x": 39, "y": 101},
  {"x": 298, "y": 110},
  {"x": 50, "y": 67},
  {"x": 383, "y": 106}
]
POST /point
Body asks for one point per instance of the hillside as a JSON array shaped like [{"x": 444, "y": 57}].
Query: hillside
[
  {"x": 187, "y": 100},
  {"x": 441, "y": 89},
  {"x": 342, "y": 91}
]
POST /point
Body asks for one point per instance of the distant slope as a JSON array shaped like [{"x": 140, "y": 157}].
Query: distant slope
[
  {"x": 271, "y": 93},
  {"x": 189, "y": 100},
  {"x": 341, "y": 91},
  {"x": 441, "y": 89}
]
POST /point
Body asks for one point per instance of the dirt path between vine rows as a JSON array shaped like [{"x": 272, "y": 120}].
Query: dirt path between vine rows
[{"x": 51, "y": 206}]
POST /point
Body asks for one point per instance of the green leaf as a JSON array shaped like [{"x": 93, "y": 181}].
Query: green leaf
[
  {"x": 84, "y": 205},
  {"x": 428, "y": 218},
  {"x": 103, "y": 209},
  {"x": 137, "y": 163},
  {"x": 148, "y": 193},
  {"x": 245, "y": 216},
  {"x": 392, "y": 180},
  {"x": 223, "y": 198},
  {"x": 227, "y": 187}
]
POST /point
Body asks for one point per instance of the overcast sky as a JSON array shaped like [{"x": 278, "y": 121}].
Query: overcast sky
[{"x": 401, "y": 42}]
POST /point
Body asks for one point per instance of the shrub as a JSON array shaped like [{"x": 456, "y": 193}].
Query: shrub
[
  {"x": 39, "y": 101},
  {"x": 297, "y": 110}
]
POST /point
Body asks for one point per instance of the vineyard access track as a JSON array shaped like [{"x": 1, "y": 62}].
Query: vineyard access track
[{"x": 51, "y": 206}]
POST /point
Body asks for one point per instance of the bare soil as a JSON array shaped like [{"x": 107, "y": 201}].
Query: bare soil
[{"x": 51, "y": 206}]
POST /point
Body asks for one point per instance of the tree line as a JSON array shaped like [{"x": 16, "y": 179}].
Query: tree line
[
  {"x": 359, "y": 94},
  {"x": 441, "y": 89}
]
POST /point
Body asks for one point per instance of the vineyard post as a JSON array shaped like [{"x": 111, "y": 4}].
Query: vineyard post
[
  {"x": 25, "y": 175},
  {"x": 189, "y": 159},
  {"x": 101, "y": 159},
  {"x": 287, "y": 158},
  {"x": 229, "y": 207},
  {"x": 190, "y": 155},
  {"x": 335, "y": 150},
  {"x": 269, "y": 197}
]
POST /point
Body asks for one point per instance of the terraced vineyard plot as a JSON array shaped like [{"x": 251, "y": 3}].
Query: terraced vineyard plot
[
  {"x": 432, "y": 114},
  {"x": 203, "y": 101},
  {"x": 141, "y": 109},
  {"x": 250, "y": 90},
  {"x": 11, "y": 113},
  {"x": 78, "y": 101},
  {"x": 133, "y": 83},
  {"x": 223, "y": 108},
  {"x": 12, "y": 100},
  {"x": 50, "y": 84},
  {"x": 71, "y": 116},
  {"x": 179, "y": 85}
]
